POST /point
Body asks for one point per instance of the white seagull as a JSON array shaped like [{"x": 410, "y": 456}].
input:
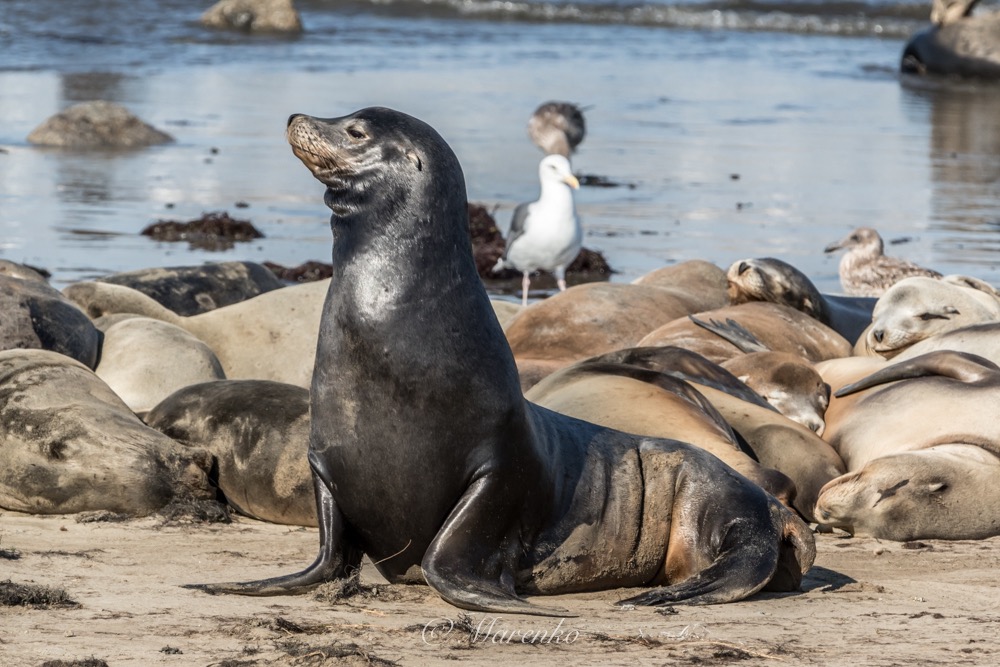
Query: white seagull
[{"x": 545, "y": 234}]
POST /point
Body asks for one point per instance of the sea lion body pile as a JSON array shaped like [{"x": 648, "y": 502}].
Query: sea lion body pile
[{"x": 385, "y": 405}]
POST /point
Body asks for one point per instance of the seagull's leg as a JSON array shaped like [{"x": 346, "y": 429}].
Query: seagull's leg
[
  {"x": 525, "y": 281},
  {"x": 561, "y": 278}
]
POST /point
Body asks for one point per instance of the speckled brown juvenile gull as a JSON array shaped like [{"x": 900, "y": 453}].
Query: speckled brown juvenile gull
[
  {"x": 865, "y": 270},
  {"x": 557, "y": 127}
]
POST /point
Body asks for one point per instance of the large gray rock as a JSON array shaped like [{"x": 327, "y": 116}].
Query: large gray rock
[
  {"x": 97, "y": 125},
  {"x": 959, "y": 44},
  {"x": 253, "y": 16}
]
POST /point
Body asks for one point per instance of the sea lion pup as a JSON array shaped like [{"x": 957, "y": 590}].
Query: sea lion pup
[
  {"x": 772, "y": 280},
  {"x": 557, "y": 128},
  {"x": 865, "y": 270},
  {"x": 918, "y": 308},
  {"x": 258, "y": 432},
  {"x": 425, "y": 454},
  {"x": 916, "y": 474},
  {"x": 957, "y": 44},
  {"x": 69, "y": 444},
  {"x": 648, "y": 402},
  {"x": 786, "y": 381},
  {"x": 775, "y": 441},
  {"x": 779, "y": 327}
]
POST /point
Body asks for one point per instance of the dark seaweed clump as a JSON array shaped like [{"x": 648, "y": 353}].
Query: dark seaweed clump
[
  {"x": 212, "y": 231},
  {"x": 33, "y": 595}
]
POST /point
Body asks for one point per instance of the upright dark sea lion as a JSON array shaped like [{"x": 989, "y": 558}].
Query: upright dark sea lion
[{"x": 426, "y": 456}]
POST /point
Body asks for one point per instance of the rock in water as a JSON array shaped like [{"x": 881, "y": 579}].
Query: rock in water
[{"x": 97, "y": 125}]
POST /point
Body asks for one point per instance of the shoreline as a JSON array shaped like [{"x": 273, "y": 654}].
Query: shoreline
[{"x": 865, "y": 603}]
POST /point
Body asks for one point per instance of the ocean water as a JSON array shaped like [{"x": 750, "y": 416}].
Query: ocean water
[{"x": 742, "y": 129}]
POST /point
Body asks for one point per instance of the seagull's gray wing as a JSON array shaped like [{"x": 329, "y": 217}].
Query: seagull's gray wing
[{"x": 517, "y": 224}]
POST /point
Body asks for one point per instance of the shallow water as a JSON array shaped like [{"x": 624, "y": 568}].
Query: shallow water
[{"x": 772, "y": 139}]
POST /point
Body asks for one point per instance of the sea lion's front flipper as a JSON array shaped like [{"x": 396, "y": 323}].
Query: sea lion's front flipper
[
  {"x": 473, "y": 557},
  {"x": 337, "y": 558}
]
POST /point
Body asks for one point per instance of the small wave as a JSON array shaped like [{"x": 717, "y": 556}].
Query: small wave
[{"x": 831, "y": 18}]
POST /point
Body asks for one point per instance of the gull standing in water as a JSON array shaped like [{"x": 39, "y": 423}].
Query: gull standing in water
[
  {"x": 865, "y": 270},
  {"x": 557, "y": 128},
  {"x": 545, "y": 234}
]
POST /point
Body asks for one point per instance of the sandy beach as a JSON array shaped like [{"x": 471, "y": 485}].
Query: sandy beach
[{"x": 864, "y": 603}]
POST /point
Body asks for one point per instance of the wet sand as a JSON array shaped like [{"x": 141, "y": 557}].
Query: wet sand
[{"x": 865, "y": 603}]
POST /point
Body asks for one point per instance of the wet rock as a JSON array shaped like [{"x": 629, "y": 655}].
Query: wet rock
[
  {"x": 97, "y": 125},
  {"x": 253, "y": 16}
]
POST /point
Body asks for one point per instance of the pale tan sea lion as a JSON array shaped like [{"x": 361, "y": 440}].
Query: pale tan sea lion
[
  {"x": 786, "y": 381},
  {"x": 144, "y": 360},
  {"x": 922, "y": 445},
  {"x": 918, "y": 308}
]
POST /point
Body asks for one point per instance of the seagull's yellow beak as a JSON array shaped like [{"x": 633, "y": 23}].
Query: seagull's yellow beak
[{"x": 572, "y": 182}]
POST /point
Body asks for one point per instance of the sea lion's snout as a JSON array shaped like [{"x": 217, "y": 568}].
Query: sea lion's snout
[{"x": 310, "y": 145}]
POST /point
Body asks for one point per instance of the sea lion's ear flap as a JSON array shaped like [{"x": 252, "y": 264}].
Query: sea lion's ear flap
[{"x": 412, "y": 156}]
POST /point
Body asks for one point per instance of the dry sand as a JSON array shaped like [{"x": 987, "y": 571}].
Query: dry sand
[{"x": 864, "y": 603}]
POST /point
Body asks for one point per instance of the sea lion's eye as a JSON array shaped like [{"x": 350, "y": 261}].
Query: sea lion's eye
[{"x": 356, "y": 133}]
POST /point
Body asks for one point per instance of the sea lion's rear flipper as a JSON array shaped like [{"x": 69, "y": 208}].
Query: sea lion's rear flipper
[
  {"x": 770, "y": 554},
  {"x": 962, "y": 366},
  {"x": 732, "y": 332},
  {"x": 472, "y": 559},
  {"x": 337, "y": 558}
]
